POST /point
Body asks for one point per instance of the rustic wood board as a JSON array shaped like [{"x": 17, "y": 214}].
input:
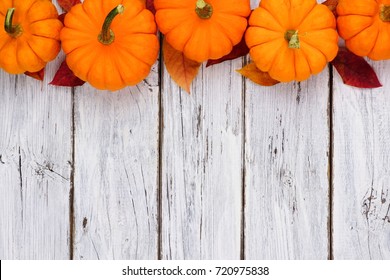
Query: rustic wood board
[
  {"x": 35, "y": 167},
  {"x": 116, "y": 171},
  {"x": 286, "y": 170},
  {"x": 361, "y": 169},
  {"x": 201, "y": 165}
]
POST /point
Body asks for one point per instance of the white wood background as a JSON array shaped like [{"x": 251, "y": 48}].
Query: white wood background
[{"x": 232, "y": 171}]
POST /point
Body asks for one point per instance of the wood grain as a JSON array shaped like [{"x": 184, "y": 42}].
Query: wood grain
[
  {"x": 361, "y": 167},
  {"x": 286, "y": 168},
  {"x": 35, "y": 165},
  {"x": 116, "y": 171},
  {"x": 201, "y": 165}
]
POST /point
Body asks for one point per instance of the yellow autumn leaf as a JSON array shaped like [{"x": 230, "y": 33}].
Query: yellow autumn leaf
[
  {"x": 251, "y": 72},
  {"x": 182, "y": 70}
]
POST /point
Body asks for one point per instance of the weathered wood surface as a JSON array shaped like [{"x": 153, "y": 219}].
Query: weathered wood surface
[
  {"x": 234, "y": 170},
  {"x": 361, "y": 169},
  {"x": 35, "y": 168}
]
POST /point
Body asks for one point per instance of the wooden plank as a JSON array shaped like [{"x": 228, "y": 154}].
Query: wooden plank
[
  {"x": 116, "y": 171},
  {"x": 361, "y": 169},
  {"x": 35, "y": 166},
  {"x": 201, "y": 165},
  {"x": 286, "y": 159}
]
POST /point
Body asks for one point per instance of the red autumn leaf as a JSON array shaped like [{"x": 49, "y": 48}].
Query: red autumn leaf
[
  {"x": 332, "y": 5},
  {"x": 150, "y": 6},
  {"x": 257, "y": 76},
  {"x": 61, "y": 17},
  {"x": 181, "y": 69},
  {"x": 40, "y": 75},
  {"x": 65, "y": 77},
  {"x": 354, "y": 70},
  {"x": 68, "y": 4},
  {"x": 239, "y": 50}
]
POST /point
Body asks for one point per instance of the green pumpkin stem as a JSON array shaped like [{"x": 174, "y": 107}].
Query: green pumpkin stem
[
  {"x": 384, "y": 13},
  {"x": 292, "y": 38},
  {"x": 12, "y": 30},
  {"x": 203, "y": 9},
  {"x": 107, "y": 36}
]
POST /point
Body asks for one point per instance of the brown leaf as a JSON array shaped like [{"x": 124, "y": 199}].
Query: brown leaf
[
  {"x": 40, "y": 75},
  {"x": 257, "y": 76},
  {"x": 61, "y": 17},
  {"x": 354, "y": 70},
  {"x": 65, "y": 77},
  {"x": 332, "y": 5},
  {"x": 181, "y": 69},
  {"x": 238, "y": 50},
  {"x": 150, "y": 6},
  {"x": 68, "y": 4}
]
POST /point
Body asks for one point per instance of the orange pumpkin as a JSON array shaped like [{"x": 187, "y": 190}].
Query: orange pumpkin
[
  {"x": 202, "y": 29},
  {"x": 30, "y": 36},
  {"x": 365, "y": 26},
  {"x": 110, "y": 43},
  {"x": 292, "y": 39}
]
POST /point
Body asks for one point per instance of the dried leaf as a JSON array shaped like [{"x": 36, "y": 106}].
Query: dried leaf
[
  {"x": 40, "y": 75},
  {"x": 150, "y": 6},
  {"x": 332, "y": 5},
  {"x": 61, "y": 17},
  {"x": 238, "y": 50},
  {"x": 354, "y": 70},
  {"x": 181, "y": 69},
  {"x": 65, "y": 77},
  {"x": 257, "y": 76},
  {"x": 68, "y": 4}
]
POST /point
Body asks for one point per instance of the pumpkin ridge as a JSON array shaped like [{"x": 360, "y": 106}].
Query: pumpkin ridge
[
  {"x": 305, "y": 55},
  {"x": 270, "y": 41},
  {"x": 364, "y": 30},
  {"x": 130, "y": 53},
  {"x": 28, "y": 43},
  {"x": 376, "y": 39},
  {"x": 303, "y": 50},
  {"x": 304, "y": 17},
  {"x": 281, "y": 28},
  {"x": 314, "y": 47},
  {"x": 275, "y": 53},
  {"x": 280, "y": 24}
]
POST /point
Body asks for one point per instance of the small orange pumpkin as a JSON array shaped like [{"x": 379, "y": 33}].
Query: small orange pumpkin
[
  {"x": 365, "y": 26},
  {"x": 110, "y": 43},
  {"x": 202, "y": 29},
  {"x": 292, "y": 39},
  {"x": 30, "y": 36}
]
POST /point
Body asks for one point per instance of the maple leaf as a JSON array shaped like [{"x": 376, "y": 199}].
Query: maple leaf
[
  {"x": 68, "y": 4},
  {"x": 182, "y": 70},
  {"x": 257, "y": 76},
  {"x": 238, "y": 50},
  {"x": 61, "y": 17},
  {"x": 65, "y": 77},
  {"x": 354, "y": 70},
  {"x": 40, "y": 75}
]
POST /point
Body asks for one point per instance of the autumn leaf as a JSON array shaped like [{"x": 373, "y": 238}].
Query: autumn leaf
[
  {"x": 257, "y": 76},
  {"x": 181, "y": 69},
  {"x": 354, "y": 70},
  {"x": 150, "y": 6},
  {"x": 238, "y": 50},
  {"x": 61, "y": 17},
  {"x": 68, "y": 4},
  {"x": 332, "y": 5},
  {"x": 40, "y": 75},
  {"x": 65, "y": 77}
]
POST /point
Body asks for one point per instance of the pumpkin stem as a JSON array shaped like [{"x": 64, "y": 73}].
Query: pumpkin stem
[
  {"x": 292, "y": 38},
  {"x": 107, "y": 36},
  {"x": 12, "y": 30},
  {"x": 384, "y": 13},
  {"x": 203, "y": 9}
]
